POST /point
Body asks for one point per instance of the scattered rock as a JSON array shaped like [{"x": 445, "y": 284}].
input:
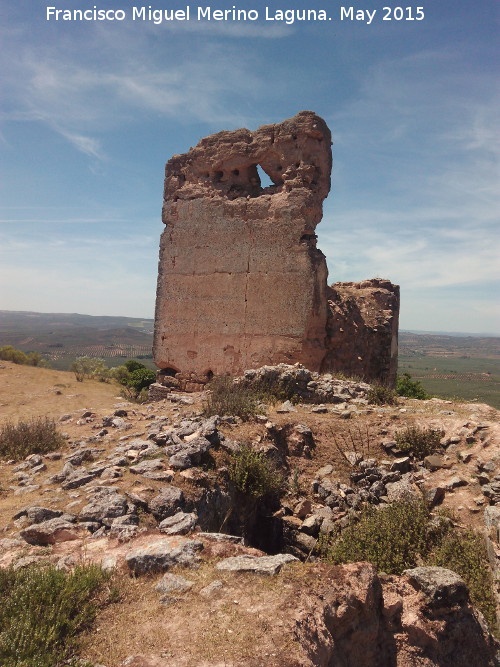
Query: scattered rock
[
  {"x": 178, "y": 524},
  {"x": 442, "y": 587},
  {"x": 173, "y": 583},
  {"x": 433, "y": 462},
  {"x": 402, "y": 490},
  {"x": 51, "y": 532},
  {"x": 256, "y": 564},
  {"x": 169, "y": 501}
]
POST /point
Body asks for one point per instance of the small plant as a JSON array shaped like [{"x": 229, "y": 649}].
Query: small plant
[
  {"x": 36, "y": 436},
  {"x": 227, "y": 398},
  {"x": 294, "y": 483},
  {"x": 254, "y": 475},
  {"x": 405, "y": 386},
  {"x": 43, "y": 610},
  {"x": 420, "y": 442},
  {"x": 464, "y": 552},
  {"x": 381, "y": 395},
  {"x": 391, "y": 538}
]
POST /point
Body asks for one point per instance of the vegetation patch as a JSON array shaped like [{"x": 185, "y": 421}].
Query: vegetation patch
[
  {"x": 464, "y": 552},
  {"x": 405, "y": 386},
  {"x": 9, "y": 353},
  {"x": 227, "y": 398},
  {"x": 381, "y": 395},
  {"x": 43, "y": 610},
  {"x": 391, "y": 538},
  {"x": 420, "y": 442},
  {"x": 254, "y": 475},
  {"x": 89, "y": 368},
  {"x": 404, "y": 535},
  {"x": 38, "y": 435}
]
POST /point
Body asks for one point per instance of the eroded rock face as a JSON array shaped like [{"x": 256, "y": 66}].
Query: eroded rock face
[
  {"x": 241, "y": 283},
  {"x": 363, "y": 330}
]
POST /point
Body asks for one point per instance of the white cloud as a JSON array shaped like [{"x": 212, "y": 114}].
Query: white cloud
[{"x": 87, "y": 145}]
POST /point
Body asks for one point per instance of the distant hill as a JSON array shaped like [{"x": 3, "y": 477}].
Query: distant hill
[
  {"x": 455, "y": 334},
  {"x": 444, "y": 345},
  {"x": 61, "y": 337}
]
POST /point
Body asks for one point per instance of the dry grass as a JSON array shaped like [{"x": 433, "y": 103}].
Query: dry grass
[
  {"x": 194, "y": 630},
  {"x": 26, "y": 391}
]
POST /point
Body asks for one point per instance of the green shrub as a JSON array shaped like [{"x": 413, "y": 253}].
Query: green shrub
[
  {"x": 120, "y": 374},
  {"x": 391, "y": 538},
  {"x": 420, "y": 442},
  {"x": 42, "y": 612},
  {"x": 405, "y": 386},
  {"x": 404, "y": 534},
  {"x": 141, "y": 378},
  {"x": 227, "y": 398},
  {"x": 132, "y": 365},
  {"x": 254, "y": 475},
  {"x": 89, "y": 368},
  {"x": 464, "y": 552},
  {"x": 9, "y": 353},
  {"x": 38, "y": 435},
  {"x": 380, "y": 395}
]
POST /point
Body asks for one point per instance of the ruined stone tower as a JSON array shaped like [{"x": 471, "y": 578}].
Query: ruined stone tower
[{"x": 241, "y": 283}]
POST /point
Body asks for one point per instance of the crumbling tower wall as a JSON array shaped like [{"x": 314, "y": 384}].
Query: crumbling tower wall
[{"x": 241, "y": 283}]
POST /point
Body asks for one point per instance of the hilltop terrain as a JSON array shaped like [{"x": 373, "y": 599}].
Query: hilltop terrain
[
  {"x": 147, "y": 490},
  {"x": 457, "y": 366}
]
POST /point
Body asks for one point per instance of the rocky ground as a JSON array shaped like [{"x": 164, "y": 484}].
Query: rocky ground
[{"x": 207, "y": 579}]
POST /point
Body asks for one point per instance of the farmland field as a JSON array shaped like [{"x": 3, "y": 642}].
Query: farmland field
[
  {"x": 61, "y": 338},
  {"x": 453, "y": 366}
]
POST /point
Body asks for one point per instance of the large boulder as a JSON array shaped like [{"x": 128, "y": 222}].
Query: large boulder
[
  {"x": 169, "y": 501},
  {"x": 161, "y": 555}
]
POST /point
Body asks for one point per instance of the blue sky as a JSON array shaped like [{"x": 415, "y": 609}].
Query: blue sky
[{"x": 91, "y": 111}]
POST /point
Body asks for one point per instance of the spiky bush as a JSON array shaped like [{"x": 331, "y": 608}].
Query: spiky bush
[
  {"x": 420, "y": 442},
  {"x": 228, "y": 398},
  {"x": 254, "y": 475},
  {"x": 38, "y": 435}
]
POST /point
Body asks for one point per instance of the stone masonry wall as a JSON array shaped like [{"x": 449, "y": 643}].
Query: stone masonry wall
[
  {"x": 241, "y": 283},
  {"x": 363, "y": 330}
]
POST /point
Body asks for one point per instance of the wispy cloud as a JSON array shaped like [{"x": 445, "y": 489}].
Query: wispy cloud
[{"x": 82, "y": 97}]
